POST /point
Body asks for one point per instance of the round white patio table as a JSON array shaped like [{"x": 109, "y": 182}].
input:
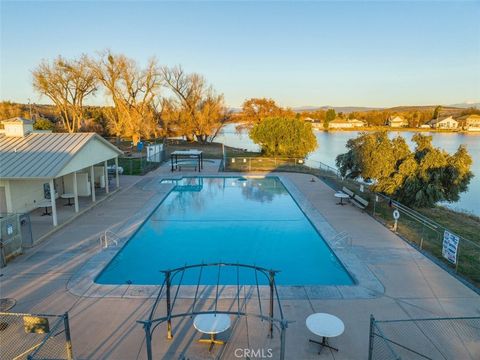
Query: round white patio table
[
  {"x": 211, "y": 324},
  {"x": 68, "y": 196},
  {"x": 341, "y": 196},
  {"x": 45, "y": 203},
  {"x": 326, "y": 326}
]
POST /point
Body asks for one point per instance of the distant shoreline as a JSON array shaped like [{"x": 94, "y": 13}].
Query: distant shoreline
[{"x": 402, "y": 129}]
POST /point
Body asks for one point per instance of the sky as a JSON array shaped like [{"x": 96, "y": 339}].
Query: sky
[{"x": 339, "y": 53}]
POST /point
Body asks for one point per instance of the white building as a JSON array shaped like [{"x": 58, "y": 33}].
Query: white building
[
  {"x": 38, "y": 166},
  {"x": 397, "y": 121},
  {"x": 340, "y": 123},
  {"x": 469, "y": 122},
  {"x": 443, "y": 123}
]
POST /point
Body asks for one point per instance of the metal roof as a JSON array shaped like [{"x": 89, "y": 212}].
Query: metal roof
[
  {"x": 18, "y": 120},
  {"x": 41, "y": 155}
]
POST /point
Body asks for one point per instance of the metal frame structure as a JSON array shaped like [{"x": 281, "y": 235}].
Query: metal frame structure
[
  {"x": 152, "y": 323},
  {"x": 187, "y": 154}
]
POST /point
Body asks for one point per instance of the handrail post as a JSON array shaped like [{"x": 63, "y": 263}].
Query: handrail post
[
  {"x": 271, "y": 281},
  {"x": 68, "y": 339},
  {"x": 169, "y": 310}
]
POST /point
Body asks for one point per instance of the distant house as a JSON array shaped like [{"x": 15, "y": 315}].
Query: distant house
[
  {"x": 340, "y": 123},
  {"x": 469, "y": 122},
  {"x": 309, "y": 119},
  {"x": 356, "y": 122},
  {"x": 443, "y": 123},
  {"x": 397, "y": 122}
]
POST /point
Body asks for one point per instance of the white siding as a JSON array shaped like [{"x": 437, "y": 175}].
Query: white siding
[
  {"x": 25, "y": 194},
  {"x": 92, "y": 153}
]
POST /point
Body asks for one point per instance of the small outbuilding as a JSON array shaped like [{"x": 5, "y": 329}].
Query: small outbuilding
[{"x": 38, "y": 167}]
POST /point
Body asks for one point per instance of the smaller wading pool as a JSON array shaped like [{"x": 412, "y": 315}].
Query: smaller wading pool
[{"x": 227, "y": 219}]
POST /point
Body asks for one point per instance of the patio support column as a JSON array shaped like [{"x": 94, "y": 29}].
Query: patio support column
[
  {"x": 105, "y": 164},
  {"x": 117, "y": 178},
  {"x": 54, "y": 204},
  {"x": 92, "y": 179},
  {"x": 75, "y": 191}
]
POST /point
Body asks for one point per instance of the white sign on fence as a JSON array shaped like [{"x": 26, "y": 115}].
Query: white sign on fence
[
  {"x": 450, "y": 246},
  {"x": 154, "y": 153}
]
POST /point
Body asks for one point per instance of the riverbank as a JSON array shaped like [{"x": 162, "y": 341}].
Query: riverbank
[{"x": 400, "y": 129}]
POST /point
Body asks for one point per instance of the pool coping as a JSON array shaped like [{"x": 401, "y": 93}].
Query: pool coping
[{"x": 365, "y": 286}]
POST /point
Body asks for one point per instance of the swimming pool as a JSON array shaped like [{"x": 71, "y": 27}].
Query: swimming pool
[{"x": 227, "y": 219}]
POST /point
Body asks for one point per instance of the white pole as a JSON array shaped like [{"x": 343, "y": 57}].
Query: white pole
[
  {"x": 75, "y": 191},
  {"x": 92, "y": 179},
  {"x": 117, "y": 178},
  {"x": 54, "y": 204},
  {"x": 105, "y": 164}
]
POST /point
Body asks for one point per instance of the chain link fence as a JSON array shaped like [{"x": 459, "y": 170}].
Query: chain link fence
[
  {"x": 10, "y": 237},
  {"x": 430, "y": 338},
  {"x": 34, "y": 336},
  {"x": 456, "y": 252}
]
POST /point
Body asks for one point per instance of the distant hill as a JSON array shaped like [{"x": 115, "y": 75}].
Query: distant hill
[
  {"x": 467, "y": 105},
  {"x": 338, "y": 109}
]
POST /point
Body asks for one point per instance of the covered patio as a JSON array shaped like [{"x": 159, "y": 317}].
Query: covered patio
[{"x": 51, "y": 177}]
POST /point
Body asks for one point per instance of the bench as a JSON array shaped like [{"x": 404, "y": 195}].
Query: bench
[
  {"x": 348, "y": 192},
  {"x": 187, "y": 164},
  {"x": 359, "y": 202}
]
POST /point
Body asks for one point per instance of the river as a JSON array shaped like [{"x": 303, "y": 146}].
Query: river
[{"x": 330, "y": 144}]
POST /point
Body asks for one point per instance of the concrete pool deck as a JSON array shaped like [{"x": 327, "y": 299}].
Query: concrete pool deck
[{"x": 105, "y": 327}]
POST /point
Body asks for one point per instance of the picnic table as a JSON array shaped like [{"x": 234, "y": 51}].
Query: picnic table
[{"x": 186, "y": 154}]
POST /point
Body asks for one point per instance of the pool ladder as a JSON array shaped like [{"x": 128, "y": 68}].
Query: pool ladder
[
  {"x": 341, "y": 240},
  {"x": 108, "y": 237}
]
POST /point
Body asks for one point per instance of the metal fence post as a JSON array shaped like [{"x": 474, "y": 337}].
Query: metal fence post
[
  {"x": 148, "y": 340},
  {"x": 371, "y": 338},
  {"x": 68, "y": 339},
  {"x": 282, "y": 341},
  {"x": 169, "y": 309},
  {"x": 249, "y": 164},
  {"x": 271, "y": 281},
  {"x": 421, "y": 237}
]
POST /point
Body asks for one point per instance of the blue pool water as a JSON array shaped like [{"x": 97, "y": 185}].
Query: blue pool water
[{"x": 227, "y": 219}]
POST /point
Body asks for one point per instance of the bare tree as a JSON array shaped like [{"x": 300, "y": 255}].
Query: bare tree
[
  {"x": 67, "y": 83},
  {"x": 199, "y": 112},
  {"x": 134, "y": 93}
]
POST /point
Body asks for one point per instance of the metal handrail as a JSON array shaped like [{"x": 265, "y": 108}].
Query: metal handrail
[{"x": 104, "y": 239}]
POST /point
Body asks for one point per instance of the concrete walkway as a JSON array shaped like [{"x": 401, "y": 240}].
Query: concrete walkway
[{"x": 106, "y": 328}]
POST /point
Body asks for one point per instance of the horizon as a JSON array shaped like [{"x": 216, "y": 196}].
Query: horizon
[{"x": 337, "y": 54}]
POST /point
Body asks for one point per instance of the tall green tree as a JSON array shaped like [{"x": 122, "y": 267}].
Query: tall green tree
[
  {"x": 329, "y": 116},
  {"x": 419, "y": 178},
  {"x": 280, "y": 136},
  {"x": 436, "y": 112}
]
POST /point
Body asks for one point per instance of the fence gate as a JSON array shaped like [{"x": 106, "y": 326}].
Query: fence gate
[
  {"x": 34, "y": 336},
  {"x": 10, "y": 237},
  {"x": 429, "y": 338}
]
